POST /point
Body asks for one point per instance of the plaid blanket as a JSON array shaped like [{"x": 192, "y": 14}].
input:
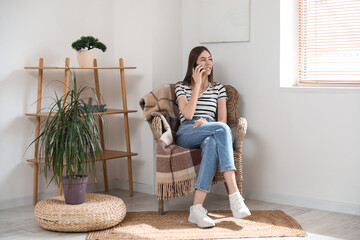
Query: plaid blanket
[
  {"x": 162, "y": 100},
  {"x": 176, "y": 167}
]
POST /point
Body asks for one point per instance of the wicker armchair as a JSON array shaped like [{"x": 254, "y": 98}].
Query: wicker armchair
[{"x": 238, "y": 126}]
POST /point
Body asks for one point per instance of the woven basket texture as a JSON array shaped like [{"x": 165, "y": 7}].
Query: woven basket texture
[{"x": 99, "y": 211}]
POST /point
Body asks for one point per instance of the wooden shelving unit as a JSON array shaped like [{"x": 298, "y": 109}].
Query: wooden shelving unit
[
  {"x": 107, "y": 154},
  {"x": 108, "y": 112}
]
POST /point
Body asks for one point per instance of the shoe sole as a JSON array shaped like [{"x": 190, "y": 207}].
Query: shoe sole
[
  {"x": 239, "y": 216},
  {"x": 192, "y": 220}
]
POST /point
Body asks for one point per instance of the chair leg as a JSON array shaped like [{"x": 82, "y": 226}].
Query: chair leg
[{"x": 161, "y": 207}]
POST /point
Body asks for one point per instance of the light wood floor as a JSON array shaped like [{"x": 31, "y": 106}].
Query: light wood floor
[{"x": 18, "y": 223}]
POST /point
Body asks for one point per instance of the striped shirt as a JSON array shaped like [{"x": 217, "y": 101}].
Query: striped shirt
[{"x": 207, "y": 102}]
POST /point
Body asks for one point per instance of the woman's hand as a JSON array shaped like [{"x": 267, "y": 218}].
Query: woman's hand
[
  {"x": 197, "y": 75},
  {"x": 199, "y": 122}
]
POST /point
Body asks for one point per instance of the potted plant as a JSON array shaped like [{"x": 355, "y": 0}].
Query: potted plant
[
  {"x": 70, "y": 143},
  {"x": 84, "y": 47}
]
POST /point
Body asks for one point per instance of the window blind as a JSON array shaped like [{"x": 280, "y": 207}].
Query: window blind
[{"x": 329, "y": 41}]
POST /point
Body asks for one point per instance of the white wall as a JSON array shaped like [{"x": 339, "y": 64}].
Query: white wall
[
  {"x": 167, "y": 42},
  {"x": 301, "y": 147},
  {"x": 31, "y": 30},
  {"x": 147, "y": 34},
  {"x": 132, "y": 34},
  {"x": 41, "y": 28},
  {"x": 301, "y": 144}
]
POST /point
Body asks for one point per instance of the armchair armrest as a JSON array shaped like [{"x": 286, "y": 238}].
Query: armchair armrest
[
  {"x": 240, "y": 135},
  {"x": 241, "y": 131},
  {"x": 157, "y": 128}
]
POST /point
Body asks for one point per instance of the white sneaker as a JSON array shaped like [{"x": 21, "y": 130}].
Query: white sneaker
[
  {"x": 199, "y": 217},
  {"x": 237, "y": 206}
]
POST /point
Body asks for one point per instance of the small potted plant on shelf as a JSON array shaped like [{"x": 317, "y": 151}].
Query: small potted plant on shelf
[
  {"x": 70, "y": 143},
  {"x": 84, "y": 47}
]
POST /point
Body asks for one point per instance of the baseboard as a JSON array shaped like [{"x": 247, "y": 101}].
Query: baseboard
[
  {"x": 27, "y": 200},
  {"x": 92, "y": 187},
  {"x": 333, "y": 206},
  {"x": 138, "y": 187},
  {"x": 320, "y": 204}
]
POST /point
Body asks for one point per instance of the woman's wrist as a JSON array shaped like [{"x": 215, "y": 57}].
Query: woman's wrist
[{"x": 197, "y": 87}]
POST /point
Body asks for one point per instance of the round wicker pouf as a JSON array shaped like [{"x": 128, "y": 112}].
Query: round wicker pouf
[{"x": 99, "y": 211}]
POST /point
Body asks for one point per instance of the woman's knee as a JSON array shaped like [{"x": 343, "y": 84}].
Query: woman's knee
[
  {"x": 209, "y": 142},
  {"x": 221, "y": 127}
]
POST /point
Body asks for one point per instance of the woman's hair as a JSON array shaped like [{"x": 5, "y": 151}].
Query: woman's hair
[{"x": 193, "y": 56}]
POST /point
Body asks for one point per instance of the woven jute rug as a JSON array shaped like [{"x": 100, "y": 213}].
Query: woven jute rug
[{"x": 174, "y": 225}]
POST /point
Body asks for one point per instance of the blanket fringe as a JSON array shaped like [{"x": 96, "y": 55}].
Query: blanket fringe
[{"x": 176, "y": 189}]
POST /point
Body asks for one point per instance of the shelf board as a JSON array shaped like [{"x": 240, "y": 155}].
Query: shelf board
[
  {"x": 107, "y": 155},
  {"x": 108, "y": 112},
  {"x": 79, "y": 68}
]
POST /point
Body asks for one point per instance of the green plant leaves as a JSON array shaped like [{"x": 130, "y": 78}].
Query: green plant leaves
[
  {"x": 70, "y": 136},
  {"x": 88, "y": 43}
]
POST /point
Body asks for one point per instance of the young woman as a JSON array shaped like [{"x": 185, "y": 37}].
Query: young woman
[{"x": 198, "y": 98}]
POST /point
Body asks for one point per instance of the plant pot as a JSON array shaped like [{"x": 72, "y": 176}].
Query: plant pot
[
  {"x": 85, "y": 58},
  {"x": 74, "y": 194}
]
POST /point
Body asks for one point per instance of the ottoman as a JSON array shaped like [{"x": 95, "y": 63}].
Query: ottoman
[{"x": 99, "y": 211}]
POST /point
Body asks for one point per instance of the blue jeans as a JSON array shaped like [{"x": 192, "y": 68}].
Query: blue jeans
[{"x": 215, "y": 140}]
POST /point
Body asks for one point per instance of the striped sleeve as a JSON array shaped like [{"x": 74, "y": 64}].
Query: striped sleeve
[
  {"x": 221, "y": 92},
  {"x": 179, "y": 91}
]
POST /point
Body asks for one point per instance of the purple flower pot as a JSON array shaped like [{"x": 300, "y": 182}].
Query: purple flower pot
[{"x": 76, "y": 193}]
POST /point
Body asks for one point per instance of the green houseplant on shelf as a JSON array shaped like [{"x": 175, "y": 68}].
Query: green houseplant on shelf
[
  {"x": 84, "y": 47},
  {"x": 70, "y": 142}
]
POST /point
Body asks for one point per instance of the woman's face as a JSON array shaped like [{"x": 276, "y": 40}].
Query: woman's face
[{"x": 205, "y": 60}]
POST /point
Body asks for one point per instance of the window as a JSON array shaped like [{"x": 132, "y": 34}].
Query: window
[{"x": 329, "y": 41}]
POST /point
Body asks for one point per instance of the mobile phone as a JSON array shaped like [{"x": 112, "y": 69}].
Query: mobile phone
[{"x": 195, "y": 65}]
